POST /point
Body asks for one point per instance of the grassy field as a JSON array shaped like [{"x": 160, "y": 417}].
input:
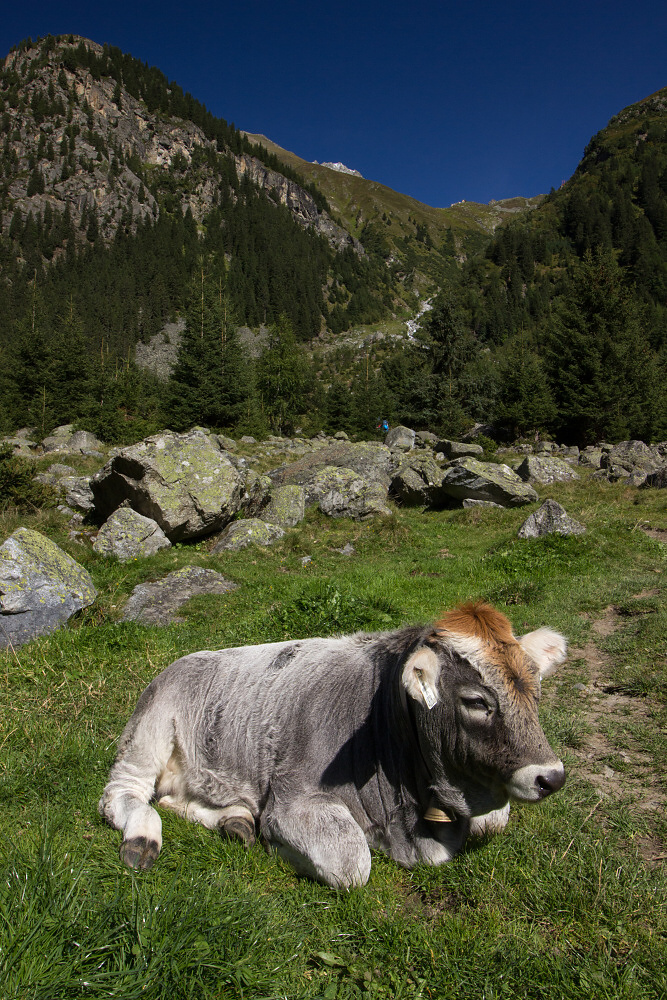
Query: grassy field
[{"x": 569, "y": 902}]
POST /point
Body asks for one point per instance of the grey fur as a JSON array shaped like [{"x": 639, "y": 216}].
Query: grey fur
[{"x": 319, "y": 744}]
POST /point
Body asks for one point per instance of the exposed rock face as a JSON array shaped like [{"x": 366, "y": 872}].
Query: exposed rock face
[
  {"x": 182, "y": 481},
  {"x": 545, "y": 469},
  {"x": 156, "y": 603},
  {"x": 40, "y": 587},
  {"x": 247, "y": 531},
  {"x": 550, "y": 518},
  {"x": 90, "y": 175},
  {"x": 299, "y": 202},
  {"x": 128, "y": 535},
  {"x": 159, "y": 355},
  {"x": 473, "y": 480}
]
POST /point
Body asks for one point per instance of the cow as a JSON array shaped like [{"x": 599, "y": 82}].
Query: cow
[{"x": 404, "y": 742}]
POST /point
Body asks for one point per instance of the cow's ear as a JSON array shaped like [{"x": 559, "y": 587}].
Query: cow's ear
[
  {"x": 546, "y": 648},
  {"x": 420, "y": 676}
]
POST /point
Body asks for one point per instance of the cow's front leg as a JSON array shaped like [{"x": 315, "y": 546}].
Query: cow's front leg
[{"x": 319, "y": 838}]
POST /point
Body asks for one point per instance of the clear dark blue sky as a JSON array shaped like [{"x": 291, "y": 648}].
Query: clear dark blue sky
[{"x": 440, "y": 100}]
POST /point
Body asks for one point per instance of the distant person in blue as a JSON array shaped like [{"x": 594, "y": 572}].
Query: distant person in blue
[{"x": 384, "y": 426}]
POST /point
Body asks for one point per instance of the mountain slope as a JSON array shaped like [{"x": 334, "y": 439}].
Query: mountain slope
[{"x": 429, "y": 241}]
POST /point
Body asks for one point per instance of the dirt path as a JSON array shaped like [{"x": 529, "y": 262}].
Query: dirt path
[{"x": 606, "y": 711}]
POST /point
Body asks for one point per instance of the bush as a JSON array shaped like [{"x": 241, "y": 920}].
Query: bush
[{"x": 17, "y": 485}]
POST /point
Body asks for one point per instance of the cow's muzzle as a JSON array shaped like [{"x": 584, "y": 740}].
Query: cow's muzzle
[{"x": 536, "y": 781}]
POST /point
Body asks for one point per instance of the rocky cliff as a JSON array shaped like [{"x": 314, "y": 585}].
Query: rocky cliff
[{"x": 77, "y": 141}]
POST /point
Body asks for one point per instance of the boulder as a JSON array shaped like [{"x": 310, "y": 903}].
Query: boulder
[
  {"x": 469, "y": 479},
  {"x": 65, "y": 438},
  {"x": 400, "y": 438},
  {"x": 591, "y": 457},
  {"x": 426, "y": 439},
  {"x": 20, "y": 446},
  {"x": 77, "y": 492},
  {"x": 40, "y": 587},
  {"x": 344, "y": 493},
  {"x": 469, "y": 504},
  {"x": 550, "y": 518},
  {"x": 545, "y": 469},
  {"x": 247, "y": 531},
  {"x": 182, "y": 481},
  {"x": 285, "y": 506},
  {"x": 369, "y": 459},
  {"x": 545, "y": 447},
  {"x": 417, "y": 481},
  {"x": 633, "y": 456},
  {"x": 155, "y": 603},
  {"x": 128, "y": 535},
  {"x": 656, "y": 480},
  {"x": 459, "y": 449},
  {"x": 58, "y": 439}
]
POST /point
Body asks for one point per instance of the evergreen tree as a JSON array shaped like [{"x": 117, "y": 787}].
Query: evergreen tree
[
  {"x": 602, "y": 370},
  {"x": 212, "y": 382},
  {"x": 283, "y": 378},
  {"x": 524, "y": 403}
]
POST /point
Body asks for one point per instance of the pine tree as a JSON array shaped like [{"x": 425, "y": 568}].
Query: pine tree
[
  {"x": 602, "y": 370},
  {"x": 282, "y": 378}
]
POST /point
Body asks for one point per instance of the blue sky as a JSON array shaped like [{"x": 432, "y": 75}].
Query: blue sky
[{"x": 443, "y": 101}]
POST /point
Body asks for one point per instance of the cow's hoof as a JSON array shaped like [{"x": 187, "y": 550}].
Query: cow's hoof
[
  {"x": 139, "y": 852},
  {"x": 241, "y": 827}
]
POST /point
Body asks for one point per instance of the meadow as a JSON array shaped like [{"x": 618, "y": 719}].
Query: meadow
[{"x": 569, "y": 902}]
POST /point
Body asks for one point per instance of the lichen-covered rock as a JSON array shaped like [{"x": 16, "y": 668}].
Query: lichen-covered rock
[
  {"x": 247, "y": 531},
  {"x": 545, "y": 469},
  {"x": 286, "y": 506},
  {"x": 633, "y": 456},
  {"x": 473, "y": 480},
  {"x": 369, "y": 459},
  {"x": 40, "y": 587},
  {"x": 157, "y": 602},
  {"x": 128, "y": 535},
  {"x": 550, "y": 518},
  {"x": 417, "y": 481},
  {"x": 344, "y": 493},
  {"x": 77, "y": 492},
  {"x": 182, "y": 481},
  {"x": 591, "y": 457},
  {"x": 256, "y": 495},
  {"x": 400, "y": 438},
  {"x": 65, "y": 438}
]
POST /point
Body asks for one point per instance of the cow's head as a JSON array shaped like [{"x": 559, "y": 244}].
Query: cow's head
[{"x": 474, "y": 690}]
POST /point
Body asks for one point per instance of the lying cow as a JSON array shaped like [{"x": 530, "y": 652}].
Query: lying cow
[{"x": 405, "y": 742}]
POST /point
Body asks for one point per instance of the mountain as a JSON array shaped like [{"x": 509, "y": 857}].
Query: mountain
[
  {"x": 576, "y": 292},
  {"x": 428, "y": 244}
]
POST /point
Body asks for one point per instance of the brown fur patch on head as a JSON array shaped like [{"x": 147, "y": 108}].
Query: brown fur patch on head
[
  {"x": 490, "y": 629},
  {"x": 480, "y": 620}
]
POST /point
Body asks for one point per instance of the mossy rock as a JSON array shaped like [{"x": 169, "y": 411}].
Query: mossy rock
[{"x": 40, "y": 587}]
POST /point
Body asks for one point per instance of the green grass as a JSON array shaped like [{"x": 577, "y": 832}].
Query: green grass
[{"x": 570, "y": 902}]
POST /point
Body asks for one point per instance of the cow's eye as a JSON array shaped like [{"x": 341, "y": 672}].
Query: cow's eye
[{"x": 477, "y": 705}]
